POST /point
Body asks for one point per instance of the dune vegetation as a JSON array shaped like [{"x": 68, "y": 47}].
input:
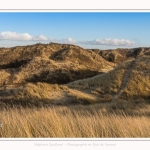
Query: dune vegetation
[
  {"x": 62, "y": 90},
  {"x": 98, "y": 120}
]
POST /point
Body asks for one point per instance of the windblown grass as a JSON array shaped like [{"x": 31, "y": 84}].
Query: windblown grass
[{"x": 74, "y": 121}]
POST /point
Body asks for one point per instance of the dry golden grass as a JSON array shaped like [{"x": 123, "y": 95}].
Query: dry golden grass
[
  {"x": 91, "y": 90},
  {"x": 4, "y": 76},
  {"x": 106, "y": 83},
  {"x": 43, "y": 93},
  {"x": 18, "y": 53},
  {"x": 33, "y": 61},
  {"x": 35, "y": 67},
  {"x": 139, "y": 81},
  {"x": 38, "y": 91},
  {"x": 74, "y": 121},
  {"x": 39, "y": 65}
]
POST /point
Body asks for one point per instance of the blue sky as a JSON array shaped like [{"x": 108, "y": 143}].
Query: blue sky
[{"x": 89, "y": 30}]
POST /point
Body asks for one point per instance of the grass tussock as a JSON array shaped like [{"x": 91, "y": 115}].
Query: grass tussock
[
  {"x": 38, "y": 91},
  {"x": 4, "y": 77},
  {"x": 74, "y": 121}
]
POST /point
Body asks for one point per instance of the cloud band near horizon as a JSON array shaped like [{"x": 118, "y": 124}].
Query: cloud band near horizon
[{"x": 13, "y": 36}]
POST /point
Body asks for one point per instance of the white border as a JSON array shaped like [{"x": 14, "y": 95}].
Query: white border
[
  {"x": 79, "y": 144},
  {"x": 74, "y": 4},
  {"x": 74, "y": 10}
]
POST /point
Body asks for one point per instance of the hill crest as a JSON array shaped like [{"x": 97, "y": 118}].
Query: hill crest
[{"x": 74, "y": 74}]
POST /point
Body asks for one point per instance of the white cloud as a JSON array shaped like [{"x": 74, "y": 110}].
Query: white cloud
[
  {"x": 109, "y": 42},
  {"x": 66, "y": 41},
  {"x": 14, "y": 36},
  {"x": 40, "y": 38},
  {"x": 21, "y": 36}
]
